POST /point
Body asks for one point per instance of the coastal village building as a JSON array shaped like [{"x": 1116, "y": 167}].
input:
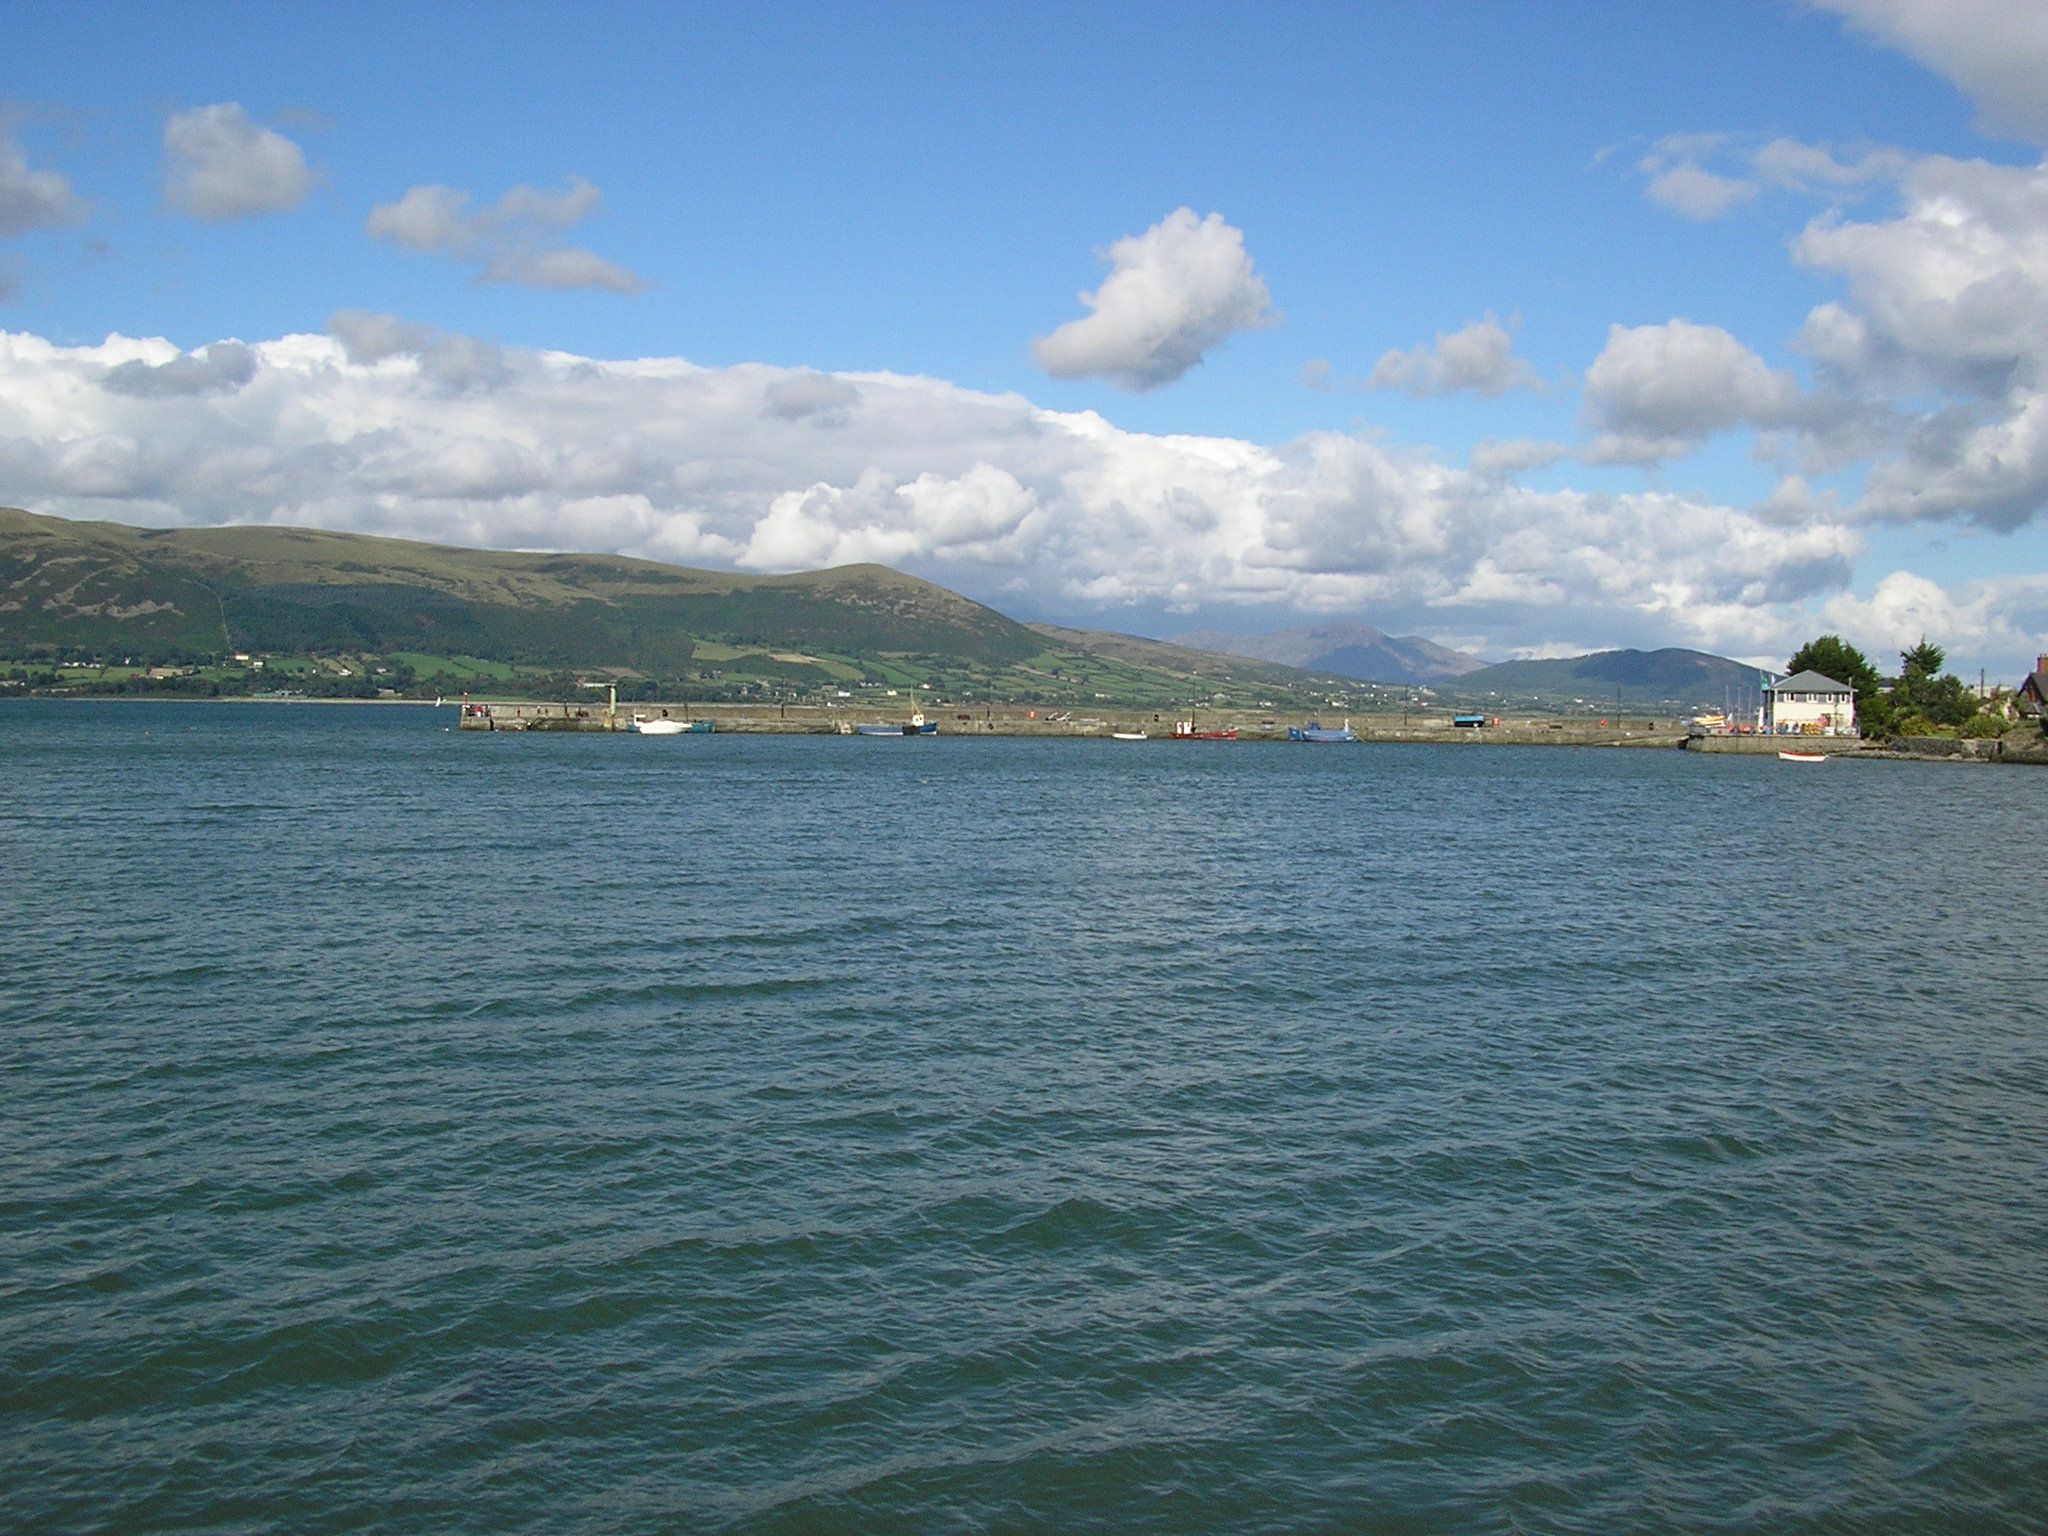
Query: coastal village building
[{"x": 1807, "y": 703}]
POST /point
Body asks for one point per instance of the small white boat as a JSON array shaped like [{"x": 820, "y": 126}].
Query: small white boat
[
  {"x": 1802, "y": 757},
  {"x": 1127, "y": 736},
  {"x": 667, "y": 727}
]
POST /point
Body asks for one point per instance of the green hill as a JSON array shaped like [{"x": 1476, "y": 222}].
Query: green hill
[
  {"x": 411, "y": 614},
  {"x": 1629, "y": 680},
  {"x": 206, "y": 591}
]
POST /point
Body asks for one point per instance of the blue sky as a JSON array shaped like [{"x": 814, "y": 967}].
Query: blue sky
[{"x": 1528, "y": 328}]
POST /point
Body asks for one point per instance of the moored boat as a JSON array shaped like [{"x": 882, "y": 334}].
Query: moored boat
[
  {"x": 667, "y": 727},
  {"x": 1315, "y": 730},
  {"x": 1184, "y": 730},
  {"x": 1127, "y": 736},
  {"x": 1802, "y": 757},
  {"x": 916, "y": 725}
]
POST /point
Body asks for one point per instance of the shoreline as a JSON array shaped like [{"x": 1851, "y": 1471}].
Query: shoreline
[{"x": 2019, "y": 747}]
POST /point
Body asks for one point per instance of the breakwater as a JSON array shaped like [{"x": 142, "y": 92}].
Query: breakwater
[
  {"x": 1017, "y": 720},
  {"x": 2022, "y": 744}
]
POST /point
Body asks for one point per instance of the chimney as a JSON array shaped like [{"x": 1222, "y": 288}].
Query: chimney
[{"x": 2041, "y": 663}]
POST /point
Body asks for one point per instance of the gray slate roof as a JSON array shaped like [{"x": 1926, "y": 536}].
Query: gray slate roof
[{"x": 1810, "y": 682}]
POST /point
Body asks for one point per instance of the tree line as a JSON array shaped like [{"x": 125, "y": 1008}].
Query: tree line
[{"x": 1921, "y": 701}]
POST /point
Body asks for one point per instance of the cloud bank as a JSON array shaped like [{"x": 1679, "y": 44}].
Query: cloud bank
[
  {"x": 388, "y": 427},
  {"x": 1173, "y": 293}
]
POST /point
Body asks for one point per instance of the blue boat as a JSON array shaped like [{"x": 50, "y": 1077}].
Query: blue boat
[{"x": 1315, "y": 730}]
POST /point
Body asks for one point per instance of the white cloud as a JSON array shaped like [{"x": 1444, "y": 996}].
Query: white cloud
[
  {"x": 1515, "y": 456},
  {"x": 1802, "y": 167},
  {"x": 450, "y": 361},
  {"x": 1679, "y": 181},
  {"x": 1481, "y": 358},
  {"x": 223, "y": 367},
  {"x": 1174, "y": 292},
  {"x": 567, "y": 267},
  {"x": 1698, "y": 193},
  {"x": 1995, "y": 50},
  {"x": 1947, "y": 312},
  {"x": 1952, "y": 293},
  {"x": 2004, "y": 619},
  {"x": 1658, "y": 391},
  {"x": 815, "y": 397},
  {"x": 514, "y": 240},
  {"x": 393, "y": 428},
  {"x": 219, "y": 165},
  {"x": 1705, "y": 176},
  {"x": 31, "y": 200}
]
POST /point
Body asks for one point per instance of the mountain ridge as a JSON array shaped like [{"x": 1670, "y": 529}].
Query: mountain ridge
[{"x": 1356, "y": 651}]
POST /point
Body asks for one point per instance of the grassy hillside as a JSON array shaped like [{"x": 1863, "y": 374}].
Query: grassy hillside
[
  {"x": 1633, "y": 679},
  {"x": 396, "y": 614},
  {"x": 1182, "y": 661}
]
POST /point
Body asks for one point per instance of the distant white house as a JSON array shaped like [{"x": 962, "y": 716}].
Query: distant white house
[{"x": 1807, "y": 703}]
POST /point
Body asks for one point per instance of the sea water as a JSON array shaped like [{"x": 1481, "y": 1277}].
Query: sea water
[{"x": 403, "y": 1130}]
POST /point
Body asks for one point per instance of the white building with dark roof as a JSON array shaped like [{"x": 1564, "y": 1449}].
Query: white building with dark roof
[{"x": 1809, "y": 704}]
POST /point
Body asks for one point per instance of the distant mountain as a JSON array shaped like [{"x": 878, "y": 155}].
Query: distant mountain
[
  {"x": 1689, "y": 678},
  {"x": 1345, "y": 650},
  {"x": 1213, "y": 667}
]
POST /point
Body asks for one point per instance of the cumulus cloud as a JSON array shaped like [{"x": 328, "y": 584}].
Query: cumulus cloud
[
  {"x": 221, "y": 368},
  {"x": 30, "y": 199},
  {"x": 1658, "y": 391},
  {"x": 2004, "y": 617},
  {"x": 388, "y": 427},
  {"x": 219, "y": 165},
  {"x": 1995, "y": 50},
  {"x": 452, "y": 362},
  {"x": 1174, "y": 292},
  {"x": 981, "y": 516},
  {"x": 514, "y": 240},
  {"x": 1481, "y": 358},
  {"x": 1947, "y": 314}
]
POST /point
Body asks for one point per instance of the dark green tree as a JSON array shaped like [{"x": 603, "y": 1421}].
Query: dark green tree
[
  {"x": 1832, "y": 656},
  {"x": 1923, "y": 660},
  {"x": 1924, "y": 698}
]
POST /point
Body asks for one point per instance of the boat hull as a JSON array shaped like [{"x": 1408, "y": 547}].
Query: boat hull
[
  {"x": 929, "y": 728},
  {"x": 673, "y": 727}
]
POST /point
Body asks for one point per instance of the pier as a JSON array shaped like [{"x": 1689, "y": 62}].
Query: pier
[{"x": 839, "y": 718}]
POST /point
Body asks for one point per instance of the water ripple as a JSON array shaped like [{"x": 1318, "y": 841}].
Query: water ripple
[{"x": 412, "y": 1132}]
